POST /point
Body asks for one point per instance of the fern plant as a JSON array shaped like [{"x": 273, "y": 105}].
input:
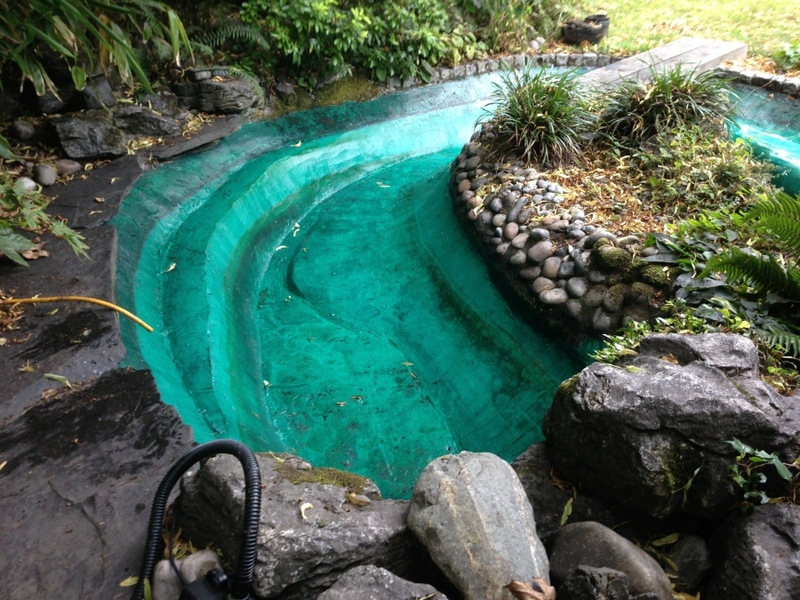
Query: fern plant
[{"x": 770, "y": 274}]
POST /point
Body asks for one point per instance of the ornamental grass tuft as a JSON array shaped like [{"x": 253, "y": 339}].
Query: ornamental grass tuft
[
  {"x": 637, "y": 110},
  {"x": 538, "y": 115}
]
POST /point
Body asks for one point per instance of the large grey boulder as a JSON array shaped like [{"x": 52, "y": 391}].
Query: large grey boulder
[
  {"x": 140, "y": 121},
  {"x": 89, "y": 134},
  {"x": 373, "y": 583},
  {"x": 472, "y": 514},
  {"x": 98, "y": 93},
  {"x": 757, "y": 557},
  {"x": 640, "y": 433},
  {"x": 227, "y": 96},
  {"x": 595, "y": 545},
  {"x": 533, "y": 468},
  {"x": 315, "y": 524}
]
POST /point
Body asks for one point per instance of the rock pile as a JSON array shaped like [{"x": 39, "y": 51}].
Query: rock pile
[
  {"x": 566, "y": 265},
  {"x": 626, "y": 438}
]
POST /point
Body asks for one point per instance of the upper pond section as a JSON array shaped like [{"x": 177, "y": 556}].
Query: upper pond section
[{"x": 312, "y": 292}]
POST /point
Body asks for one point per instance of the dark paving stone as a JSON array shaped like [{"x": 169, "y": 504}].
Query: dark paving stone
[{"x": 80, "y": 473}]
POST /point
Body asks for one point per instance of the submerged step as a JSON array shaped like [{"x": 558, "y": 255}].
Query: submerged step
[{"x": 691, "y": 53}]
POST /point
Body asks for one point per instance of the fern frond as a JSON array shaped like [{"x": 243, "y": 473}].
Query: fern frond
[
  {"x": 788, "y": 341},
  {"x": 779, "y": 204},
  {"x": 763, "y": 274},
  {"x": 242, "y": 74},
  {"x": 231, "y": 31}
]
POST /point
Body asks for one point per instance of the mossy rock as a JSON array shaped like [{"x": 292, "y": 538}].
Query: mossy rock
[
  {"x": 353, "y": 88},
  {"x": 611, "y": 258},
  {"x": 326, "y": 476},
  {"x": 655, "y": 274},
  {"x": 641, "y": 292}
]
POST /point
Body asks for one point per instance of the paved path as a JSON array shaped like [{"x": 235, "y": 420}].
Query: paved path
[{"x": 692, "y": 53}]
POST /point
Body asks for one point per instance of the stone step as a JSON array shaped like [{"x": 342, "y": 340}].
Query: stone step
[{"x": 691, "y": 53}]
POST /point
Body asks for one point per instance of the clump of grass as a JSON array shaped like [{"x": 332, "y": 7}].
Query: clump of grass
[
  {"x": 539, "y": 116},
  {"x": 638, "y": 110}
]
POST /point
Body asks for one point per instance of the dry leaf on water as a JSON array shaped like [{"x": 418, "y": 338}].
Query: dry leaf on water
[{"x": 540, "y": 590}]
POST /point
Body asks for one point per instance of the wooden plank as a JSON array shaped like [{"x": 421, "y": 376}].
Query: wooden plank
[{"x": 693, "y": 53}]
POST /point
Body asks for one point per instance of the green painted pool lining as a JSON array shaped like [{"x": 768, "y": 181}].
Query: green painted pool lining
[
  {"x": 311, "y": 292},
  {"x": 412, "y": 358}
]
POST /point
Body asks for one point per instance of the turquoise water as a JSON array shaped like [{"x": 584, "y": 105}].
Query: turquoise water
[
  {"x": 312, "y": 292},
  {"x": 771, "y": 124}
]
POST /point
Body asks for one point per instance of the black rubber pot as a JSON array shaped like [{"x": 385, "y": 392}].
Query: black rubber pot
[{"x": 592, "y": 29}]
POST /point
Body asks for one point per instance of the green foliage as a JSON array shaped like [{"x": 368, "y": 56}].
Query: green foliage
[
  {"x": 24, "y": 210},
  {"x": 390, "y": 39},
  {"x": 789, "y": 57},
  {"x": 770, "y": 273},
  {"x": 691, "y": 168},
  {"x": 539, "y": 115},
  {"x": 636, "y": 110},
  {"x": 749, "y": 474},
  {"x": 507, "y": 25},
  {"x": 84, "y": 33}
]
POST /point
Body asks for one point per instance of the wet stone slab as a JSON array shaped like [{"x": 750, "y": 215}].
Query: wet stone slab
[{"x": 80, "y": 471}]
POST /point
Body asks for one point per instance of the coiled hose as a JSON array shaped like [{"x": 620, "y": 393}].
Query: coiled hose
[{"x": 240, "y": 587}]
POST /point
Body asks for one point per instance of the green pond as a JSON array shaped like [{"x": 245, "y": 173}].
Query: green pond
[{"x": 312, "y": 292}]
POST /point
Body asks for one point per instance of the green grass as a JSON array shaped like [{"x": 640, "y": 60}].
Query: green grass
[{"x": 638, "y": 25}]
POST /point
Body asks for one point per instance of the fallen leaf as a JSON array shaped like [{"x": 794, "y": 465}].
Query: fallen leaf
[
  {"x": 357, "y": 499},
  {"x": 49, "y": 393},
  {"x": 539, "y": 591},
  {"x": 172, "y": 267},
  {"x": 59, "y": 378},
  {"x": 99, "y": 199},
  {"x": 408, "y": 364},
  {"x": 36, "y": 252},
  {"x": 129, "y": 581},
  {"x": 666, "y": 540}
]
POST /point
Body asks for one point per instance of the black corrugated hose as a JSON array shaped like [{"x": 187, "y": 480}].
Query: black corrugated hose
[{"x": 240, "y": 588}]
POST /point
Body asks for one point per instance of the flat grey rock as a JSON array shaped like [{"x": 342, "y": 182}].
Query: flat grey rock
[
  {"x": 310, "y": 533},
  {"x": 373, "y": 583}
]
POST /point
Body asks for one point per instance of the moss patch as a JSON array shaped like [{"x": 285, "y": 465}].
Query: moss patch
[
  {"x": 611, "y": 258},
  {"x": 324, "y": 475},
  {"x": 655, "y": 275},
  {"x": 354, "y": 88}
]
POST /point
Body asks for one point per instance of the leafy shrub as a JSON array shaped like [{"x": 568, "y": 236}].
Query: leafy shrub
[
  {"x": 637, "y": 110},
  {"x": 327, "y": 37},
  {"x": 85, "y": 32},
  {"x": 538, "y": 115},
  {"x": 507, "y": 25},
  {"x": 789, "y": 57},
  {"x": 749, "y": 474}
]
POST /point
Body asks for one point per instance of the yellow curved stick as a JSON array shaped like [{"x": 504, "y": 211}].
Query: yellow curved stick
[{"x": 119, "y": 309}]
